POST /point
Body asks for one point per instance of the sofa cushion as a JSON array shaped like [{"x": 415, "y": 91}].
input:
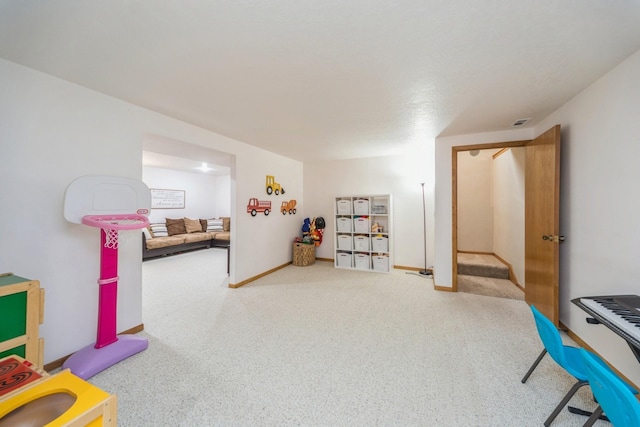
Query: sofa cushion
[
  {"x": 226, "y": 223},
  {"x": 175, "y": 226},
  {"x": 203, "y": 224},
  {"x": 196, "y": 237},
  {"x": 163, "y": 242},
  {"x": 159, "y": 230},
  {"x": 192, "y": 225},
  {"x": 222, "y": 235}
]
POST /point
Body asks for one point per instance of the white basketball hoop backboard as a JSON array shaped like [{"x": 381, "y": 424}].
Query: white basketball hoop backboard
[{"x": 105, "y": 195}]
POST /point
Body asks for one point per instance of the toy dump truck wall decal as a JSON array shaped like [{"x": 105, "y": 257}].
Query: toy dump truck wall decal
[
  {"x": 273, "y": 186},
  {"x": 289, "y": 206},
  {"x": 256, "y": 206}
]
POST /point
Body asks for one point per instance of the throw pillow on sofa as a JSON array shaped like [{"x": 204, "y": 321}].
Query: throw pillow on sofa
[
  {"x": 214, "y": 225},
  {"x": 192, "y": 225},
  {"x": 159, "y": 230},
  {"x": 226, "y": 223},
  {"x": 147, "y": 233},
  {"x": 175, "y": 226}
]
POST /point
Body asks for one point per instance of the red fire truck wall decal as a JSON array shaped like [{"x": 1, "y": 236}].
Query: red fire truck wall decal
[{"x": 254, "y": 206}]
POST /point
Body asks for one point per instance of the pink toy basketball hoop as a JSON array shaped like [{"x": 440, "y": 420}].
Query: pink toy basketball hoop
[
  {"x": 113, "y": 204},
  {"x": 112, "y": 224}
]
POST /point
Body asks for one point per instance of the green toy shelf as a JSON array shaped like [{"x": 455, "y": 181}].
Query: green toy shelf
[{"x": 22, "y": 308}]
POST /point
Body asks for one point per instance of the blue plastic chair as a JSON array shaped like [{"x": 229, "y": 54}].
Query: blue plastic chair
[
  {"x": 614, "y": 395},
  {"x": 569, "y": 358}
]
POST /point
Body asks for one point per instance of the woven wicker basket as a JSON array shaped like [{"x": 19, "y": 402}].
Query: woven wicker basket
[{"x": 303, "y": 254}]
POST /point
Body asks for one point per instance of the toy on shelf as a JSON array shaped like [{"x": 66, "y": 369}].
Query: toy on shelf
[
  {"x": 112, "y": 204},
  {"x": 376, "y": 228}
]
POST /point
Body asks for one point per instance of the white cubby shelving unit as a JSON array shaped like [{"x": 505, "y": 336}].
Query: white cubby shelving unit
[{"x": 363, "y": 233}]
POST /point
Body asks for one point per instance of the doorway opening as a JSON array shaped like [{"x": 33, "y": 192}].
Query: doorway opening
[
  {"x": 206, "y": 179},
  {"x": 488, "y": 230},
  {"x": 542, "y": 218}
]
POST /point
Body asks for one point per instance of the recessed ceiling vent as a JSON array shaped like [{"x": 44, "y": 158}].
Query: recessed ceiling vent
[{"x": 520, "y": 122}]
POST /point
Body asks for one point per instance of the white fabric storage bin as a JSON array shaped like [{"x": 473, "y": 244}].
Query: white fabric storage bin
[
  {"x": 378, "y": 209},
  {"x": 345, "y": 242},
  {"x": 344, "y": 207},
  {"x": 361, "y": 224},
  {"x": 344, "y": 225},
  {"x": 361, "y": 207},
  {"x": 380, "y": 263},
  {"x": 362, "y": 261},
  {"x": 361, "y": 243},
  {"x": 379, "y": 244},
  {"x": 344, "y": 259}
]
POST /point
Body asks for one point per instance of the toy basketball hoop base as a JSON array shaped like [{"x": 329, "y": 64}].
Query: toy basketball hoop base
[{"x": 90, "y": 360}]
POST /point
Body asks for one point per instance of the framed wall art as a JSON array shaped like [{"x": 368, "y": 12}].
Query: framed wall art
[{"x": 167, "y": 199}]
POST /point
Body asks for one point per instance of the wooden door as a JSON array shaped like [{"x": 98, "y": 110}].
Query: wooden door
[{"x": 542, "y": 222}]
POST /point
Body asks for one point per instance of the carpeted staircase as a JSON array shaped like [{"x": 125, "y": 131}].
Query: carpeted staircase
[
  {"x": 484, "y": 274},
  {"x": 482, "y": 265}
]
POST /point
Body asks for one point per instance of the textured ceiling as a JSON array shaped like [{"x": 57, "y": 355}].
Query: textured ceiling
[{"x": 328, "y": 79}]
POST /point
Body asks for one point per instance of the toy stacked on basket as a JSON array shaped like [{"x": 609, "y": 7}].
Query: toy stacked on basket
[
  {"x": 304, "y": 249},
  {"x": 312, "y": 231},
  {"x": 111, "y": 204}
]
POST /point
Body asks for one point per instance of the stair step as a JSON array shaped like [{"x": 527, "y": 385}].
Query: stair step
[
  {"x": 482, "y": 265},
  {"x": 483, "y": 270}
]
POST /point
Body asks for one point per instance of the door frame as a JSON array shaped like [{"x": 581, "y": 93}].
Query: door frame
[{"x": 454, "y": 196}]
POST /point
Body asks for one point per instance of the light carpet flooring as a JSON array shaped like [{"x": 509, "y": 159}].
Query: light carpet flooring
[{"x": 316, "y": 346}]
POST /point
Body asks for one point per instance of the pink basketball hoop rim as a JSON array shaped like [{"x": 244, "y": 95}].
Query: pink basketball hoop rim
[{"x": 116, "y": 222}]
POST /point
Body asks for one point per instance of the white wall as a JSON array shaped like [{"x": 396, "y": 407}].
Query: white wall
[
  {"x": 399, "y": 176},
  {"x": 475, "y": 201},
  {"x": 53, "y": 132},
  {"x": 223, "y": 196},
  {"x": 443, "y": 193},
  {"x": 263, "y": 238},
  {"x": 600, "y": 206},
  {"x": 201, "y": 193},
  {"x": 508, "y": 208}
]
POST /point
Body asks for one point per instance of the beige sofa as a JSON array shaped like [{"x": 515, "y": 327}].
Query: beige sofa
[{"x": 184, "y": 234}]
